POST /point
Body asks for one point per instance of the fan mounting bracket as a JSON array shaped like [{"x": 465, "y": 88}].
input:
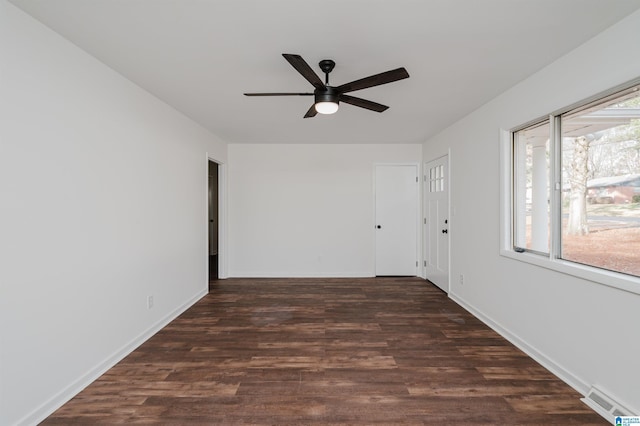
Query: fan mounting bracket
[{"x": 326, "y": 65}]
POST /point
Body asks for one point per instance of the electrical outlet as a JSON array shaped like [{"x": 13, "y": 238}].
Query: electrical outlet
[
  {"x": 461, "y": 279},
  {"x": 149, "y": 302}
]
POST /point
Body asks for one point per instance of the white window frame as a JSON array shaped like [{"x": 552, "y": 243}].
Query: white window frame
[{"x": 551, "y": 260}]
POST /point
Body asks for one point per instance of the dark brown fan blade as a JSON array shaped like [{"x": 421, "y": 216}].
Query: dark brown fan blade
[
  {"x": 303, "y": 68},
  {"x": 278, "y": 94},
  {"x": 374, "y": 80},
  {"x": 363, "y": 103},
  {"x": 312, "y": 112}
]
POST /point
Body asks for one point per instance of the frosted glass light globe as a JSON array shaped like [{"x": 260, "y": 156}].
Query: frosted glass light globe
[{"x": 326, "y": 107}]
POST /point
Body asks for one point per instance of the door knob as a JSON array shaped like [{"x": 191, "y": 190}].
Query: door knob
[{"x": 445, "y": 231}]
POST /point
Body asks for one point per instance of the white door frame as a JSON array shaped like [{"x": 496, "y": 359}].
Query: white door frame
[
  {"x": 418, "y": 166},
  {"x": 424, "y": 225}
]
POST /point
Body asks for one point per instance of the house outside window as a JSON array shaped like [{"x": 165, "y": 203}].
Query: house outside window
[{"x": 576, "y": 184}]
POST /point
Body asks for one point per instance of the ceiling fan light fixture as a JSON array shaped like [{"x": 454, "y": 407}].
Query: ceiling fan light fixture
[
  {"x": 326, "y": 107},
  {"x": 328, "y": 98}
]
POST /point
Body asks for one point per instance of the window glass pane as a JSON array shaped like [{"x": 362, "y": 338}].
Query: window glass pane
[
  {"x": 531, "y": 188},
  {"x": 601, "y": 184}
]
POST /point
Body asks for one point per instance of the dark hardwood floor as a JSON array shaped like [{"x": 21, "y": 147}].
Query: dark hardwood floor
[{"x": 327, "y": 351}]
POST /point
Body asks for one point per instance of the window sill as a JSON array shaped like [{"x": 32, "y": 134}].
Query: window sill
[{"x": 596, "y": 275}]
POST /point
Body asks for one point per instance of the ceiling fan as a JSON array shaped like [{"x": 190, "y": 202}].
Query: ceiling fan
[{"x": 327, "y": 98}]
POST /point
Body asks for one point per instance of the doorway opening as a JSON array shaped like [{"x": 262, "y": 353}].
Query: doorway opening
[{"x": 213, "y": 220}]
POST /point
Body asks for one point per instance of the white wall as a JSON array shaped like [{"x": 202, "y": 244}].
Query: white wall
[
  {"x": 305, "y": 210},
  {"x": 586, "y": 332},
  {"x": 103, "y": 202}
]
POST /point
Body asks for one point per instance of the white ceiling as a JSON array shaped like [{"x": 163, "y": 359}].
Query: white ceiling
[{"x": 200, "y": 56}]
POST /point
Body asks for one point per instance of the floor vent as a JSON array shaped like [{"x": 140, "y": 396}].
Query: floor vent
[
  {"x": 604, "y": 405},
  {"x": 617, "y": 413}
]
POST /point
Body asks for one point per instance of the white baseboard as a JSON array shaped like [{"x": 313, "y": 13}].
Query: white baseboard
[
  {"x": 289, "y": 274},
  {"x": 62, "y": 397},
  {"x": 575, "y": 382}
]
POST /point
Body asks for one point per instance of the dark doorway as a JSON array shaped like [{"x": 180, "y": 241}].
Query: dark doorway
[{"x": 213, "y": 221}]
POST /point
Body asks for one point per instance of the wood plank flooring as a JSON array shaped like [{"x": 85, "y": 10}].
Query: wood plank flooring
[{"x": 327, "y": 352}]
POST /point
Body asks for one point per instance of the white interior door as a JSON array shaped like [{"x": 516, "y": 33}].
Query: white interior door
[
  {"x": 396, "y": 211},
  {"x": 437, "y": 222}
]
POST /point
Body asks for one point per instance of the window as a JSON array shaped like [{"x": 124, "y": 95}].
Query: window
[
  {"x": 436, "y": 178},
  {"x": 576, "y": 184},
  {"x": 531, "y": 184}
]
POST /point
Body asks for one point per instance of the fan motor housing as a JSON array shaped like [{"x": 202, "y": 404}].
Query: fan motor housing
[{"x": 329, "y": 95}]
